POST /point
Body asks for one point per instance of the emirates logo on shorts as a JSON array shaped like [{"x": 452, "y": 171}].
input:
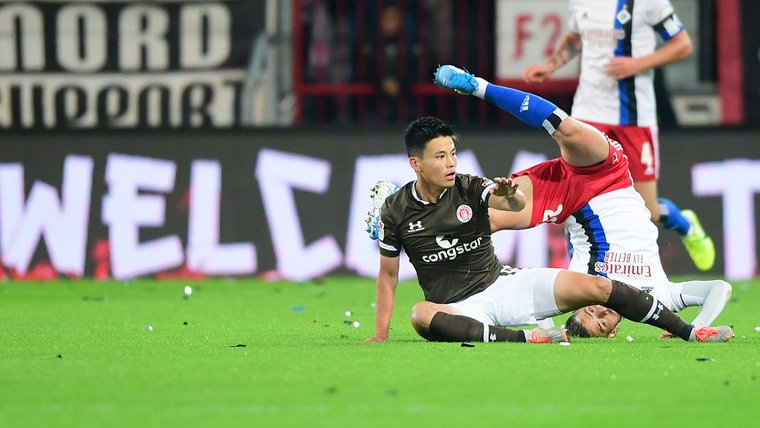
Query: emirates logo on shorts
[{"x": 464, "y": 213}]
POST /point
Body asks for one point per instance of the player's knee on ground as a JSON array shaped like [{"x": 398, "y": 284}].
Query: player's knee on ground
[{"x": 422, "y": 313}]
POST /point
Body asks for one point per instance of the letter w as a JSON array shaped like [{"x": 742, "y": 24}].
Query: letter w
[{"x": 62, "y": 222}]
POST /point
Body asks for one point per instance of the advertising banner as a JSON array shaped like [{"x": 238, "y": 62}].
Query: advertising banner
[
  {"x": 291, "y": 204},
  {"x": 125, "y": 64}
]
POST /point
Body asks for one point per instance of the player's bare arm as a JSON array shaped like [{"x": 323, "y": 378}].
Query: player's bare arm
[
  {"x": 387, "y": 281},
  {"x": 506, "y": 196},
  {"x": 569, "y": 47},
  {"x": 677, "y": 48},
  {"x": 514, "y": 220}
]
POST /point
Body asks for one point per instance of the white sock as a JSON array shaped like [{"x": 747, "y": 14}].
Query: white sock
[
  {"x": 714, "y": 295},
  {"x": 481, "y": 91}
]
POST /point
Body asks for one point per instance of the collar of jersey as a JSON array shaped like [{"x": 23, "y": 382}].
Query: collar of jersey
[{"x": 414, "y": 193}]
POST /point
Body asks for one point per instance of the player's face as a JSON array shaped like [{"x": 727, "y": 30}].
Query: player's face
[
  {"x": 598, "y": 320},
  {"x": 438, "y": 164}
]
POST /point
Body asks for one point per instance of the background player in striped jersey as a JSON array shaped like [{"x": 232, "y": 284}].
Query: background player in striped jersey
[
  {"x": 441, "y": 220},
  {"x": 617, "y": 43}
]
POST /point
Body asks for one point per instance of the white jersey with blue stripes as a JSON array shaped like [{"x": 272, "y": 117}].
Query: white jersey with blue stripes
[
  {"x": 613, "y": 28},
  {"x": 612, "y": 236}
]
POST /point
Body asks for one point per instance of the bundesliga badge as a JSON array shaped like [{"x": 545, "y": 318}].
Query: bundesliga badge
[{"x": 464, "y": 213}]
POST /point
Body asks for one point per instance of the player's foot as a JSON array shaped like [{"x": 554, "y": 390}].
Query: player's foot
[
  {"x": 547, "y": 335},
  {"x": 712, "y": 334},
  {"x": 698, "y": 244},
  {"x": 450, "y": 77},
  {"x": 380, "y": 191}
]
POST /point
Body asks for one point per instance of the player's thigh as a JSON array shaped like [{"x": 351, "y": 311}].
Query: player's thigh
[
  {"x": 573, "y": 290},
  {"x": 521, "y": 297},
  {"x": 641, "y": 146}
]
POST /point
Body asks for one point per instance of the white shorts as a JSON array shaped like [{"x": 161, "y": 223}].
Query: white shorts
[{"x": 519, "y": 297}]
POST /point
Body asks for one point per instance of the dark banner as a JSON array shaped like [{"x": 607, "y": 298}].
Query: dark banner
[
  {"x": 125, "y": 64},
  {"x": 291, "y": 204}
]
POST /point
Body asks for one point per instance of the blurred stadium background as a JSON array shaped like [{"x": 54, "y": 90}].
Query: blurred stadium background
[{"x": 188, "y": 139}]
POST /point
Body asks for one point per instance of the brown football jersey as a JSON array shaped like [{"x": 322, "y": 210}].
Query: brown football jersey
[{"x": 448, "y": 242}]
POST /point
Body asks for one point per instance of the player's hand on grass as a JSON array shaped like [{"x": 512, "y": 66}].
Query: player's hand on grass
[
  {"x": 667, "y": 335},
  {"x": 376, "y": 339}
]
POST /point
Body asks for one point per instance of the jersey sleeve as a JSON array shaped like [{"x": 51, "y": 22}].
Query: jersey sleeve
[
  {"x": 662, "y": 17},
  {"x": 478, "y": 188},
  {"x": 387, "y": 234}
]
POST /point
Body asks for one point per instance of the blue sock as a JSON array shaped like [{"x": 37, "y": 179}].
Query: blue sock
[
  {"x": 671, "y": 218},
  {"x": 529, "y": 108}
]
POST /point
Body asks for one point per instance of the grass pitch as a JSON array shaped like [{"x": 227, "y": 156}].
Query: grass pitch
[{"x": 263, "y": 354}]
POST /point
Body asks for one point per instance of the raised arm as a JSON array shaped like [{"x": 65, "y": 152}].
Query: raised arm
[{"x": 505, "y": 196}]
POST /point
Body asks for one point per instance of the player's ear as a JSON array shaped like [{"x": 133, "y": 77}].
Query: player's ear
[
  {"x": 414, "y": 162},
  {"x": 613, "y": 333}
]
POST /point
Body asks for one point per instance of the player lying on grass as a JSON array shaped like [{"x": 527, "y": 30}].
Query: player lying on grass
[{"x": 441, "y": 220}]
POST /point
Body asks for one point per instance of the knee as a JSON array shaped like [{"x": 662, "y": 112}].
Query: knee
[
  {"x": 422, "y": 313},
  {"x": 599, "y": 288}
]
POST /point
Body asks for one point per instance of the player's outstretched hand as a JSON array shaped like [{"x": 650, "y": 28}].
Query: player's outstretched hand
[
  {"x": 504, "y": 187},
  {"x": 512, "y": 199}
]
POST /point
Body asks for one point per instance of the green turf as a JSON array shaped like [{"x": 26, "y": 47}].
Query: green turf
[{"x": 83, "y": 354}]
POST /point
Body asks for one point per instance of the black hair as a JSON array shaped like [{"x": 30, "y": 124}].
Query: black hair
[
  {"x": 424, "y": 129},
  {"x": 574, "y": 328}
]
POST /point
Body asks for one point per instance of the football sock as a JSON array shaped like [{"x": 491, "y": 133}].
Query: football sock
[
  {"x": 459, "y": 328},
  {"x": 529, "y": 108},
  {"x": 671, "y": 218},
  {"x": 639, "y": 306},
  {"x": 711, "y": 295}
]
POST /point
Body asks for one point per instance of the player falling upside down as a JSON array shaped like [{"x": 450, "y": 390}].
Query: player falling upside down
[
  {"x": 441, "y": 220},
  {"x": 590, "y": 190}
]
